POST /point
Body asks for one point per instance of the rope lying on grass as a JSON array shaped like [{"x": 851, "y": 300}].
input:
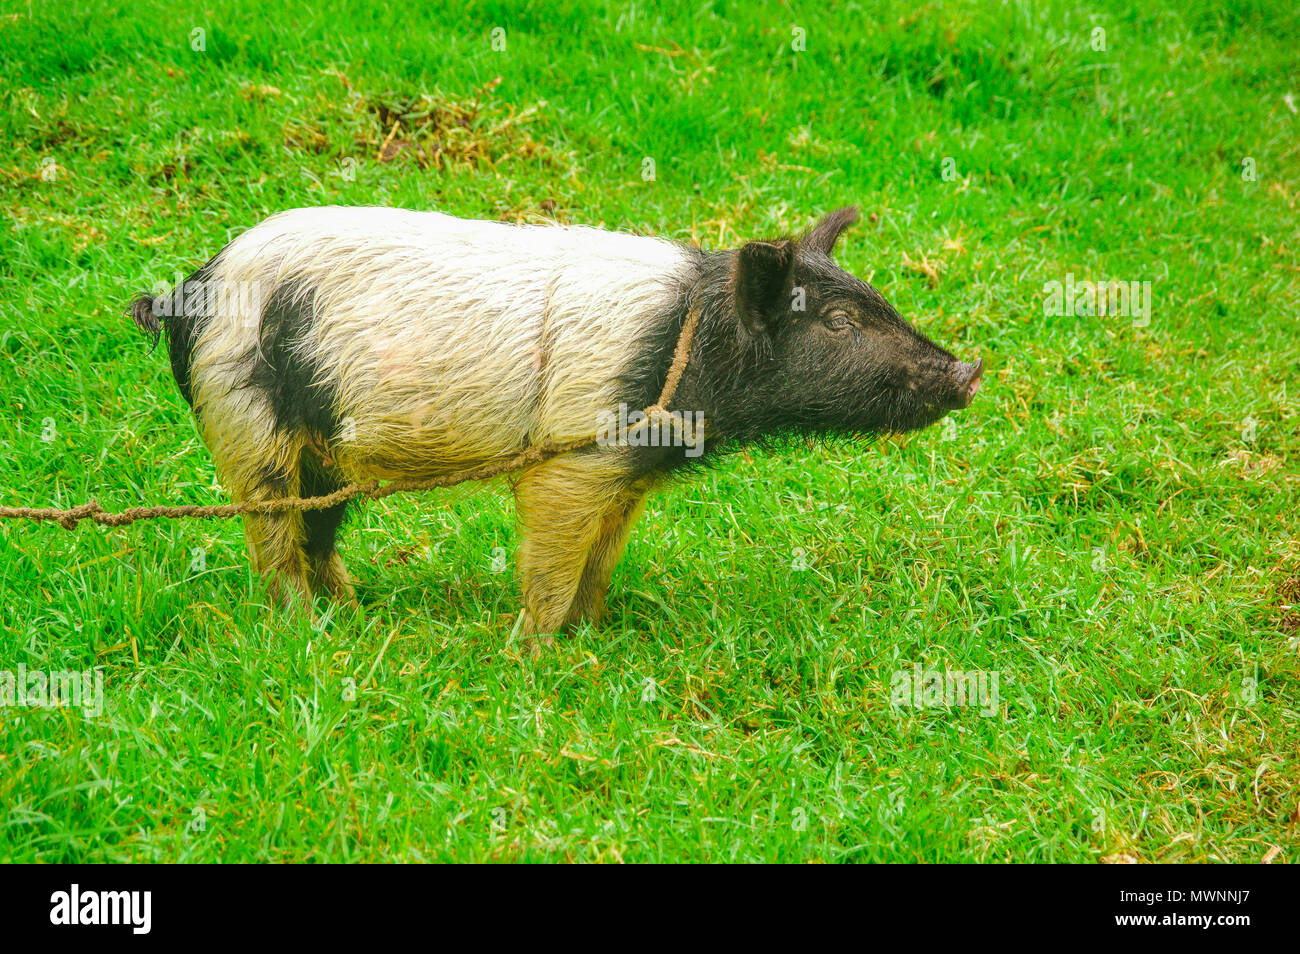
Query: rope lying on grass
[{"x": 370, "y": 489}]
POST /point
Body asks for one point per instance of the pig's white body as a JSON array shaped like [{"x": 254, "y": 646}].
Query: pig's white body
[{"x": 447, "y": 342}]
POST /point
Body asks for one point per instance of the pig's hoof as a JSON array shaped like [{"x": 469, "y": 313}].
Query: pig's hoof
[
  {"x": 535, "y": 647},
  {"x": 289, "y": 596},
  {"x": 532, "y": 644}
]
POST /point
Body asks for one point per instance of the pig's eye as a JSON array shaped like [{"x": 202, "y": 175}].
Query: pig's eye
[{"x": 837, "y": 321}]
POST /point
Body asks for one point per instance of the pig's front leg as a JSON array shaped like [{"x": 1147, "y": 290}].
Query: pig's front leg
[
  {"x": 567, "y": 508},
  {"x": 615, "y": 527}
]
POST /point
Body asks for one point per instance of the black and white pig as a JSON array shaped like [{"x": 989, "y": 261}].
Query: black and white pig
[{"x": 330, "y": 345}]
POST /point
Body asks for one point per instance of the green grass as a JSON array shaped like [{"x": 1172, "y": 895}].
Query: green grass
[{"x": 1111, "y": 528}]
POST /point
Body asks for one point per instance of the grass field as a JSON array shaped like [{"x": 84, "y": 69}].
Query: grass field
[{"x": 1110, "y": 530}]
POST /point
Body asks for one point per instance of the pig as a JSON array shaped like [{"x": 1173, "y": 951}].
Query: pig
[{"x": 331, "y": 345}]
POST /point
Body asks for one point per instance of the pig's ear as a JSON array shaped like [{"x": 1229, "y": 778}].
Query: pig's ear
[
  {"x": 827, "y": 232},
  {"x": 764, "y": 274}
]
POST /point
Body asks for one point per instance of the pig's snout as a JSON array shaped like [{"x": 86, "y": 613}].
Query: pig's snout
[{"x": 966, "y": 377}]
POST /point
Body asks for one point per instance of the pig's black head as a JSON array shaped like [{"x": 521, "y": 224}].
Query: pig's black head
[{"x": 829, "y": 353}]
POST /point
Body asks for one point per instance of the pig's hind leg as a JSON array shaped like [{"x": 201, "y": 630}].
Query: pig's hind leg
[
  {"x": 325, "y": 570},
  {"x": 258, "y": 462}
]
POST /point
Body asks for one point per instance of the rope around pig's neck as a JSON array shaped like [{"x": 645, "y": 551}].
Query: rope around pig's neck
[{"x": 370, "y": 489}]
